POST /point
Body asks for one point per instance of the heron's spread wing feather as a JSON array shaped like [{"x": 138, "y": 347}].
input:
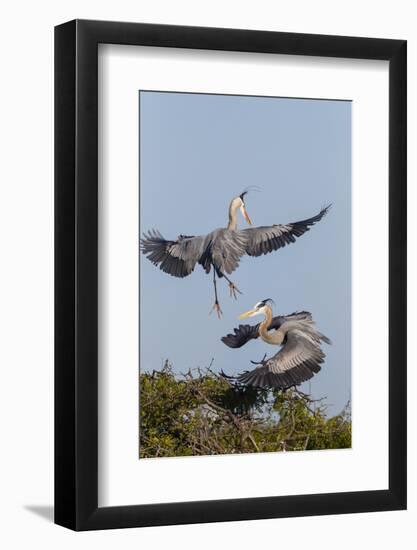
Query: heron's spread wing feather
[
  {"x": 265, "y": 239},
  {"x": 222, "y": 248},
  {"x": 178, "y": 258},
  {"x": 244, "y": 333},
  {"x": 297, "y": 361}
]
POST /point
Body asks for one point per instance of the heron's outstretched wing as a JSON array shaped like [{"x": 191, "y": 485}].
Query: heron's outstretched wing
[
  {"x": 297, "y": 361},
  {"x": 244, "y": 333},
  {"x": 178, "y": 258},
  {"x": 265, "y": 239}
]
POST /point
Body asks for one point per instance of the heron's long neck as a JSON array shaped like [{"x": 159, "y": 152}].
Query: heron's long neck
[
  {"x": 273, "y": 337},
  {"x": 232, "y": 217}
]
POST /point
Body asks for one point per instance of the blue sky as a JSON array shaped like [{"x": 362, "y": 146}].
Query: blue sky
[{"x": 197, "y": 152}]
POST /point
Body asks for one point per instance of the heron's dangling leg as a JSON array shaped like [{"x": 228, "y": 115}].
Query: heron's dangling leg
[
  {"x": 216, "y": 306},
  {"x": 234, "y": 291}
]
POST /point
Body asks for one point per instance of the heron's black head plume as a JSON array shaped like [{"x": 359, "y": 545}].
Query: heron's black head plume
[
  {"x": 247, "y": 190},
  {"x": 267, "y": 301}
]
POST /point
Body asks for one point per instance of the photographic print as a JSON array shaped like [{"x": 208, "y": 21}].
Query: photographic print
[{"x": 245, "y": 274}]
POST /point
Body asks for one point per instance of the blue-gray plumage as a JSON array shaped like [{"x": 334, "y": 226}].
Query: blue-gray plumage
[
  {"x": 221, "y": 248},
  {"x": 300, "y": 356}
]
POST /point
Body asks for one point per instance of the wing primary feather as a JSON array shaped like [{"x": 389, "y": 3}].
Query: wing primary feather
[
  {"x": 298, "y": 360},
  {"x": 244, "y": 333},
  {"x": 177, "y": 258},
  {"x": 266, "y": 239}
]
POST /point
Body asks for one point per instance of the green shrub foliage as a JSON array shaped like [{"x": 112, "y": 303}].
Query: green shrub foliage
[{"x": 203, "y": 413}]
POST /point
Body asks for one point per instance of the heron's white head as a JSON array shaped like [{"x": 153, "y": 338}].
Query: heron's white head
[
  {"x": 258, "y": 309},
  {"x": 239, "y": 203}
]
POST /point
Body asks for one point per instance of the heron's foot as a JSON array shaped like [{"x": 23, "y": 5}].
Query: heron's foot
[
  {"x": 234, "y": 291},
  {"x": 217, "y": 309}
]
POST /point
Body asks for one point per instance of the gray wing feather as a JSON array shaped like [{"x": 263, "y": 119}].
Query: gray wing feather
[
  {"x": 222, "y": 248},
  {"x": 297, "y": 351},
  {"x": 244, "y": 333},
  {"x": 297, "y": 361},
  {"x": 265, "y": 239},
  {"x": 178, "y": 258}
]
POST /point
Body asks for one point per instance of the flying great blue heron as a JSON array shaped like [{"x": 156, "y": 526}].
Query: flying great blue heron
[
  {"x": 299, "y": 358},
  {"x": 221, "y": 248}
]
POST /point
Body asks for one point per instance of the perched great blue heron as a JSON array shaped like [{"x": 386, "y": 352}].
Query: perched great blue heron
[
  {"x": 300, "y": 356},
  {"x": 221, "y": 248}
]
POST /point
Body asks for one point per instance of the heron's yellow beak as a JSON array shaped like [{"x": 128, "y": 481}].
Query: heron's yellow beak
[
  {"x": 245, "y": 215},
  {"x": 247, "y": 314}
]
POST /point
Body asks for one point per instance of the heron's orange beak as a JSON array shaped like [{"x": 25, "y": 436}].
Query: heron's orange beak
[
  {"x": 245, "y": 215},
  {"x": 247, "y": 314}
]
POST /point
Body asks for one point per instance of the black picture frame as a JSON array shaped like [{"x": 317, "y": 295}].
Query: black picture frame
[{"x": 76, "y": 272}]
